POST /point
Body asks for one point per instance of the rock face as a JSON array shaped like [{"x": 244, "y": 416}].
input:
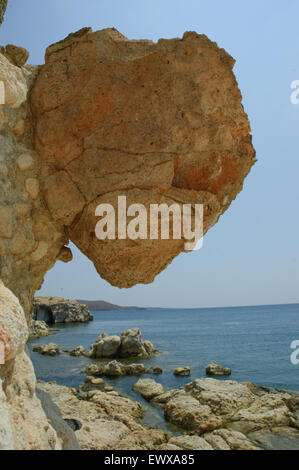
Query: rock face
[
  {"x": 128, "y": 344},
  {"x": 157, "y": 123},
  {"x": 109, "y": 422},
  {"x": 116, "y": 369},
  {"x": 23, "y": 423},
  {"x": 232, "y": 415},
  {"x": 3, "y": 5},
  {"x": 38, "y": 329},
  {"x": 216, "y": 369},
  {"x": 58, "y": 310}
]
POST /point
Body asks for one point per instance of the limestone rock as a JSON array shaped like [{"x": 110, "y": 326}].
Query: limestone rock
[
  {"x": 186, "y": 412},
  {"x": 23, "y": 424},
  {"x": 228, "y": 414},
  {"x": 58, "y": 310},
  {"x": 215, "y": 369},
  {"x": 148, "y": 388},
  {"x": 115, "y": 369},
  {"x": 157, "y": 122},
  {"x": 182, "y": 371},
  {"x": 64, "y": 431},
  {"x": 128, "y": 344},
  {"x": 3, "y": 5},
  {"x": 50, "y": 349},
  {"x": 38, "y": 329},
  {"x": 155, "y": 370},
  {"x": 224, "y": 439},
  {"x": 133, "y": 346},
  {"x": 108, "y": 422},
  {"x": 190, "y": 443},
  {"x": 79, "y": 351},
  {"x": 16, "y": 55},
  {"x": 105, "y": 346},
  {"x": 14, "y": 80}
]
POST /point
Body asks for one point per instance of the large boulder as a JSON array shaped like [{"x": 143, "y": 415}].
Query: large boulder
[
  {"x": 59, "y": 310},
  {"x": 233, "y": 415},
  {"x": 3, "y": 5},
  {"x": 128, "y": 344}
]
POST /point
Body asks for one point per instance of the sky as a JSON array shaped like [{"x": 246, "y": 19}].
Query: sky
[{"x": 251, "y": 256}]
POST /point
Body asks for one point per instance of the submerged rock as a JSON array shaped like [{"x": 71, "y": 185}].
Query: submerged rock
[
  {"x": 50, "y": 349},
  {"x": 148, "y": 388},
  {"x": 215, "y": 369},
  {"x": 59, "y": 310}
]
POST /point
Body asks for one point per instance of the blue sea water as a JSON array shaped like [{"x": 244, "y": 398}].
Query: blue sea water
[{"x": 253, "y": 341}]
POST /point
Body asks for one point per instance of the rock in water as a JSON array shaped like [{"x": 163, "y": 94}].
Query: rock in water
[
  {"x": 79, "y": 351},
  {"x": 148, "y": 388},
  {"x": 58, "y": 310},
  {"x": 157, "y": 122},
  {"x": 216, "y": 369},
  {"x": 128, "y": 344}
]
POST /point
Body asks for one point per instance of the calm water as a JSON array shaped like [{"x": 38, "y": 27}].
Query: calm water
[{"x": 253, "y": 341}]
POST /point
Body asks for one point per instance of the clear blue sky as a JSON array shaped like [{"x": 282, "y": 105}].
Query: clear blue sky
[{"x": 251, "y": 255}]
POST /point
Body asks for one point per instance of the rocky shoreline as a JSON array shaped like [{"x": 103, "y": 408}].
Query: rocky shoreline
[{"x": 211, "y": 414}]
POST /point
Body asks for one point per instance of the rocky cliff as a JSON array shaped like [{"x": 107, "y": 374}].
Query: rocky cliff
[{"x": 104, "y": 116}]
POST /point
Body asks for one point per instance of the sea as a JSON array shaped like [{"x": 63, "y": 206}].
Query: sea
[{"x": 255, "y": 342}]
